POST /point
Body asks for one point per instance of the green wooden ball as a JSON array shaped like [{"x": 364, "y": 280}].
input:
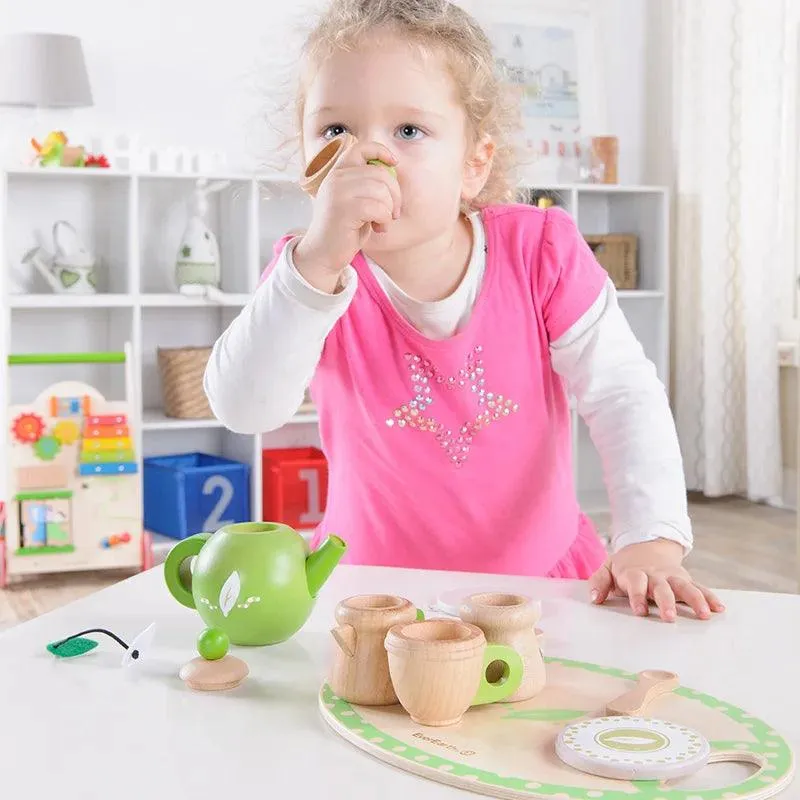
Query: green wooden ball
[{"x": 212, "y": 644}]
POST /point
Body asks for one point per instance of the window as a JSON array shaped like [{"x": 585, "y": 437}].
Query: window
[{"x": 790, "y": 189}]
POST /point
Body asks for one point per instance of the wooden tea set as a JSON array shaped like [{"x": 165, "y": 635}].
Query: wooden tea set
[
  {"x": 471, "y": 701},
  {"x": 467, "y": 697}
]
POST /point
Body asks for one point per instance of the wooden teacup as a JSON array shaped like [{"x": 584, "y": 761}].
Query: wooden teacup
[
  {"x": 360, "y": 669},
  {"x": 510, "y": 619},
  {"x": 322, "y": 163},
  {"x": 438, "y": 669}
]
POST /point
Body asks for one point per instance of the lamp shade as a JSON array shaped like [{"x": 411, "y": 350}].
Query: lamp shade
[{"x": 43, "y": 70}]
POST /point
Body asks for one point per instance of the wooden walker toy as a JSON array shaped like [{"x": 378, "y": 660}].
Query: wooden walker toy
[
  {"x": 577, "y": 730},
  {"x": 74, "y": 486}
]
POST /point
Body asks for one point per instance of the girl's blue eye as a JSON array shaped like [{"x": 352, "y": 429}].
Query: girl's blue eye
[
  {"x": 332, "y": 131},
  {"x": 409, "y": 132}
]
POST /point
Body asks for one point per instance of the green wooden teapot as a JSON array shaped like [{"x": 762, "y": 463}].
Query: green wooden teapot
[{"x": 256, "y": 581}]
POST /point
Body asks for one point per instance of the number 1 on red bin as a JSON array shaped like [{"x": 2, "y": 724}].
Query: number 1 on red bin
[{"x": 313, "y": 514}]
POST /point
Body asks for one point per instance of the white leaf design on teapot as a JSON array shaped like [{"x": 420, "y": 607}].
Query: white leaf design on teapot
[{"x": 229, "y": 593}]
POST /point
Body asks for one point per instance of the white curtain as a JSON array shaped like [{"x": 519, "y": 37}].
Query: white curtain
[{"x": 731, "y": 187}]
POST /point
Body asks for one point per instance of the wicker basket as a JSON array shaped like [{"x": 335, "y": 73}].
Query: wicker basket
[
  {"x": 617, "y": 254},
  {"x": 181, "y": 370}
]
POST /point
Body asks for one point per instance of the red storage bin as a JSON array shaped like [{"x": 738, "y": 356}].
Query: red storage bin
[{"x": 294, "y": 486}]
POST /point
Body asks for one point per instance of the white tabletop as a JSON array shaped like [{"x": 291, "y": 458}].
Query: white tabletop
[{"x": 86, "y": 728}]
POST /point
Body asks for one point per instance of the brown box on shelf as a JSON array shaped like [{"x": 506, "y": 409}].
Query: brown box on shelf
[
  {"x": 606, "y": 151},
  {"x": 617, "y": 253},
  {"x": 181, "y": 370}
]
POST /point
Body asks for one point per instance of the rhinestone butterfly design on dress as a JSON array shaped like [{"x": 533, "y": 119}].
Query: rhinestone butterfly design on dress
[{"x": 415, "y": 413}]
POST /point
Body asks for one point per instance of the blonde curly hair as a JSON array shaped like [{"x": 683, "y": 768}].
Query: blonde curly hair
[{"x": 435, "y": 26}]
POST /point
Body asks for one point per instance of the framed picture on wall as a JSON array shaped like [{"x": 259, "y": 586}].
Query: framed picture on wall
[{"x": 549, "y": 54}]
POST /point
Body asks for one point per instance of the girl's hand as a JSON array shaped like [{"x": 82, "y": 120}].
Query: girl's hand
[
  {"x": 652, "y": 571},
  {"x": 354, "y": 199}
]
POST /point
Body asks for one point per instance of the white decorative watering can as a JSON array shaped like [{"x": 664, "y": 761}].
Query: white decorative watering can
[{"x": 72, "y": 269}]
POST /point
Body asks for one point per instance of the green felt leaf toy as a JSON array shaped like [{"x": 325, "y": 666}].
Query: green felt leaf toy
[{"x": 74, "y": 647}]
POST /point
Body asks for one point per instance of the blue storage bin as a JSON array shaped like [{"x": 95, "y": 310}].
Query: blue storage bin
[{"x": 190, "y": 493}]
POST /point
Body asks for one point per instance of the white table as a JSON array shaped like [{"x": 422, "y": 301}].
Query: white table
[{"x": 87, "y": 728}]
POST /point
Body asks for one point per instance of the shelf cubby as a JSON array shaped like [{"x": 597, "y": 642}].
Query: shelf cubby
[
  {"x": 97, "y": 209},
  {"x": 164, "y": 211},
  {"x": 640, "y": 213}
]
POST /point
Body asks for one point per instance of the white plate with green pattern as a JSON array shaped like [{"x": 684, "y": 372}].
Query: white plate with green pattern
[{"x": 633, "y": 748}]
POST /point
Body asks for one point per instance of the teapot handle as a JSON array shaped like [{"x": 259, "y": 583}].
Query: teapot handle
[{"x": 177, "y": 573}]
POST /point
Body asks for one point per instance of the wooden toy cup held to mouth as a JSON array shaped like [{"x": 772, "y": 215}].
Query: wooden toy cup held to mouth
[{"x": 323, "y": 162}]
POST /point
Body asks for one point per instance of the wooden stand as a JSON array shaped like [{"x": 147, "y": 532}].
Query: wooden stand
[{"x": 508, "y": 750}]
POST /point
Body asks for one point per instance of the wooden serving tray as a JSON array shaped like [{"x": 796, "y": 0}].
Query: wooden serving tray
[{"x": 507, "y": 750}]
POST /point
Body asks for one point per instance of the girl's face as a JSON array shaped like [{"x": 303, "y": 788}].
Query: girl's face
[{"x": 388, "y": 92}]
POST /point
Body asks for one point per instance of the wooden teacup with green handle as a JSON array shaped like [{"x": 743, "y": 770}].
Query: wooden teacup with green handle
[
  {"x": 439, "y": 668},
  {"x": 324, "y": 161}
]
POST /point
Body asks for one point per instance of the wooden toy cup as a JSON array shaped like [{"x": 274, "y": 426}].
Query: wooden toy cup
[
  {"x": 360, "y": 669},
  {"x": 438, "y": 668},
  {"x": 510, "y": 619},
  {"x": 323, "y": 162}
]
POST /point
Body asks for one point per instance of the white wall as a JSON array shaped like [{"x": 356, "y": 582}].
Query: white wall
[{"x": 191, "y": 76}]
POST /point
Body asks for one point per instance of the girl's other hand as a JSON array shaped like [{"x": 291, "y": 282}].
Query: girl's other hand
[
  {"x": 653, "y": 572},
  {"x": 355, "y": 199}
]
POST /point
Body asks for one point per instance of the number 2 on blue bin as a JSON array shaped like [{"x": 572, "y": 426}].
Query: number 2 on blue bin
[{"x": 215, "y": 520}]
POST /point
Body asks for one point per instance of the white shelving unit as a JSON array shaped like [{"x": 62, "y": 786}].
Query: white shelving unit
[
  {"x": 643, "y": 211},
  {"x": 133, "y": 222}
]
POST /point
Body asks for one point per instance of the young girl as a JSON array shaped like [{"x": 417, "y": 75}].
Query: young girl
[{"x": 442, "y": 328}]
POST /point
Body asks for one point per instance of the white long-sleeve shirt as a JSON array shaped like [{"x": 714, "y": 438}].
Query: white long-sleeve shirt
[{"x": 280, "y": 334}]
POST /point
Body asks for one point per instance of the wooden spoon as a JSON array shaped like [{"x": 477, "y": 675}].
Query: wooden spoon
[{"x": 651, "y": 683}]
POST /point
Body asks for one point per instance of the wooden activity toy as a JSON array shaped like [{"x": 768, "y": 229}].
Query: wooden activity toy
[
  {"x": 360, "y": 669},
  {"x": 255, "y": 581},
  {"x": 582, "y": 730},
  {"x": 74, "y": 494}
]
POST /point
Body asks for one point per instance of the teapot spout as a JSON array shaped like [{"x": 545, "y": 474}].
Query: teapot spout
[{"x": 321, "y": 563}]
